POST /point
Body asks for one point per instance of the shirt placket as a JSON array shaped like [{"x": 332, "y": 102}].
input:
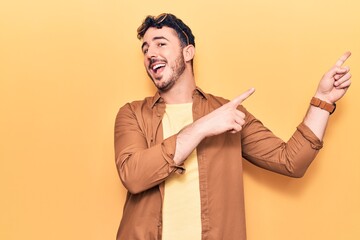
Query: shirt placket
[
  {"x": 157, "y": 137},
  {"x": 198, "y": 111}
]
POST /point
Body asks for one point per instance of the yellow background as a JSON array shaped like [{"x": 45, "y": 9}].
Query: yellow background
[{"x": 67, "y": 66}]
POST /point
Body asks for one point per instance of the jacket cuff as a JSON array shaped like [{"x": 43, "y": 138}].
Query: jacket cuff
[
  {"x": 168, "y": 149},
  {"x": 306, "y": 132}
]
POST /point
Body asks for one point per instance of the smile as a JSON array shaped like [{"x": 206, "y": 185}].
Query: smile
[{"x": 155, "y": 67}]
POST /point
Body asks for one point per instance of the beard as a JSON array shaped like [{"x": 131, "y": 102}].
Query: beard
[{"x": 177, "y": 69}]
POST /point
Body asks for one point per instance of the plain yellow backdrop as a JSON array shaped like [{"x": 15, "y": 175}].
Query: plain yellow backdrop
[{"x": 67, "y": 66}]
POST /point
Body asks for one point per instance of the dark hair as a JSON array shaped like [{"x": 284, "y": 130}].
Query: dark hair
[{"x": 169, "y": 20}]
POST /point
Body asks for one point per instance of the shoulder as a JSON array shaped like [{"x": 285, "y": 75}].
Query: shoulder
[
  {"x": 216, "y": 98},
  {"x": 137, "y": 105},
  {"x": 213, "y": 99},
  {"x": 136, "y": 109}
]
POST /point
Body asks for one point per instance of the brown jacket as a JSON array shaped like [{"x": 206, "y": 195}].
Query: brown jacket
[{"x": 144, "y": 161}]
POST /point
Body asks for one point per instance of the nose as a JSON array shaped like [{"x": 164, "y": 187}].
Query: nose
[{"x": 151, "y": 53}]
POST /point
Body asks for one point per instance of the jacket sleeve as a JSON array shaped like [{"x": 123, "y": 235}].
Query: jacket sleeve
[
  {"x": 140, "y": 166},
  {"x": 292, "y": 158}
]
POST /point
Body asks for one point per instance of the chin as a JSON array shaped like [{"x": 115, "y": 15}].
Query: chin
[{"x": 165, "y": 86}]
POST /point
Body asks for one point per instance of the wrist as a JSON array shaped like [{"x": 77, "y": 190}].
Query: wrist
[
  {"x": 198, "y": 129},
  {"x": 323, "y": 104},
  {"x": 323, "y": 98}
]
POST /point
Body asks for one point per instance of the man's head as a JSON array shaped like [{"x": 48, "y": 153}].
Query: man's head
[
  {"x": 169, "y": 20},
  {"x": 168, "y": 48}
]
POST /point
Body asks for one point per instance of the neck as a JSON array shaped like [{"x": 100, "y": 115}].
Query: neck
[{"x": 182, "y": 91}]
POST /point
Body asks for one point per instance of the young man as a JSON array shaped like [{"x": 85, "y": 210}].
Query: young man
[{"x": 179, "y": 153}]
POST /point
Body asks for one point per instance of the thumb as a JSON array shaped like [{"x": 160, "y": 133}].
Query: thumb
[{"x": 239, "y": 99}]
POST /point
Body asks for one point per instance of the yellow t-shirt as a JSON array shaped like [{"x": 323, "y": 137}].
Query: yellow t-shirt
[{"x": 181, "y": 208}]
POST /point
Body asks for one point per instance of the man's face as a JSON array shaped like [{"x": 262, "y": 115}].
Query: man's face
[{"x": 163, "y": 57}]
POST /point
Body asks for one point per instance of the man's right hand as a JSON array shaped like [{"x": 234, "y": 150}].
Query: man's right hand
[{"x": 225, "y": 118}]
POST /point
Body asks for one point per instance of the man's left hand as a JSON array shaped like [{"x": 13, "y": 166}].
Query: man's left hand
[{"x": 335, "y": 82}]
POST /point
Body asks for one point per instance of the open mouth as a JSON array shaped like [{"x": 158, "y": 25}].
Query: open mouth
[{"x": 157, "y": 67}]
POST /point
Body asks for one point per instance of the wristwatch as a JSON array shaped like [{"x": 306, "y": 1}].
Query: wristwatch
[{"x": 323, "y": 105}]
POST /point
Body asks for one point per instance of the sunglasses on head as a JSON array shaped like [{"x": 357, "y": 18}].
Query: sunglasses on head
[{"x": 159, "y": 19}]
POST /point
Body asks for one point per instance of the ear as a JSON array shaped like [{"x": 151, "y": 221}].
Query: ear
[{"x": 189, "y": 52}]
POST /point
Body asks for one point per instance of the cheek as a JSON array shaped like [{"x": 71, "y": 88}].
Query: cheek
[{"x": 145, "y": 64}]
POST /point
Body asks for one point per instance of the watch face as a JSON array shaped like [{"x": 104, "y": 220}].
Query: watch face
[{"x": 333, "y": 110}]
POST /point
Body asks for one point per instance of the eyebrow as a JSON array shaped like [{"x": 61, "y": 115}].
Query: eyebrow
[{"x": 155, "y": 38}]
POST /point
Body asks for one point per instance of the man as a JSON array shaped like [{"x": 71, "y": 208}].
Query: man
[{"x": 179, "y": 153}]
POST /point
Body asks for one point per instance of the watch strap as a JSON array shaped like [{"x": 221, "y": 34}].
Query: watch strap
[{"x": 316, "y": 102}]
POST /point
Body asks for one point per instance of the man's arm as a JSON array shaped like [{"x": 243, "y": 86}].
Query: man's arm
[
  {"x": 140, "y": 165},
  {"x": 225, "y": 118},
  {"x": 332, "y": 87},
  {"x": 292, "y": 158}
]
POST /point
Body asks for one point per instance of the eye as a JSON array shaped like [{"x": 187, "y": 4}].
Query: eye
[
  {"x": 145, "y": 50},
  {"x": 161, "y": 44}
]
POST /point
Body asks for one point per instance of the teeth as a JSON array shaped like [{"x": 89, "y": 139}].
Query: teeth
[{"x": 158, "y": 66}]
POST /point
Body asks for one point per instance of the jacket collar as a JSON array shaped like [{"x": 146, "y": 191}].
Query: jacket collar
[{"x": 158, "y": 99}]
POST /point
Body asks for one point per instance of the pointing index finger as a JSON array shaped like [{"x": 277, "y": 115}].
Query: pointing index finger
[
  {"x": 342, "y": 59},
  {"x": 239, "y": 99}
]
